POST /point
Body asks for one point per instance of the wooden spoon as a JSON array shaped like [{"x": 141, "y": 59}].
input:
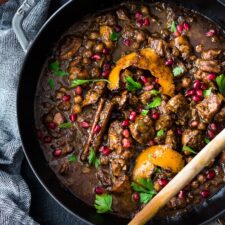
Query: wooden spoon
[{"x": 185, "y": 176}]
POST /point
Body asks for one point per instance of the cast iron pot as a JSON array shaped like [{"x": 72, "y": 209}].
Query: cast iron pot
[{"x": 37, "y": 52}]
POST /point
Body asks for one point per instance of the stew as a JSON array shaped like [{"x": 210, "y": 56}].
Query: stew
[{"x": 126, "y": 98}]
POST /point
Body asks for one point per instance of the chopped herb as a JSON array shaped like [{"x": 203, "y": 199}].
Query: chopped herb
[
  {"x": 51, "y": 84},
  {"x": 220, "y": 80},
  {"x": 145, "y": 188},
  {"x": 103, "y": 203},
  {"x": 114, "y": 36},
  {"x": 160, "y": 133},
  {"x": 65, "y": 125},
  {"x": 144, "y": 112},
  {"x": 206, "y": 140},
  {"x": 157, "y": 170},
  {"x": 55, "y": 68},
  {"x": 92, "y": 159},
  {"x": 131, "y": 84},
  {"x": 155, "y": 103},
  {"x": 78, "y": 82},
  {"x": 187, "y": 148},
  {"x": 178, "y": 71},
  {"x": 154, "y": 92},
  {"x": 173, "y": 27},
  {"x": 207, "y": 92},
  {"x": 72, "y": 158}
]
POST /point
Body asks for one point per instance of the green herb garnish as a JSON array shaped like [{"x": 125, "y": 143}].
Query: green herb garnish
[
  {"x": 220, "y": 80},
  {"x": 72, "y": 158},
  {"x": 78, "y": 82},
  {"x": 160, "y": 133},
  {"x": 114, "y": 36},
  {"x": 187, "y": 148},
  {"x": 103, "y": 203},
  {"x": 131, "y": 84},
  {"x": 51, "y": 84},
  {"x": 157, "y": 170},
  {"x": 206, "y": 140},
  {"x": 145, "y": 188},
  {"x": 178, "y": 71},
  {"x": 92, "y": 158},
  {"x": 173, "y": 27},
  {"x": 55, "y": 68},
  {"x": 155, "y": 103},
  {"x": 65, "y": 125},
  {"x": 154, "y": 92},
  {"x": 207, "y": 92},
  {"x": 144, "y": 112}
]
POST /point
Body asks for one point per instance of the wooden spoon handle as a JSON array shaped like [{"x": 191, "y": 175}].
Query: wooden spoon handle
[{"x": 184, "y": 177}]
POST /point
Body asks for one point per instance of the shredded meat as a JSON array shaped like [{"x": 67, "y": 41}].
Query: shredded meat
[
  {"x": 164, "y": 122},
  {"x": 210, "y": 66}
]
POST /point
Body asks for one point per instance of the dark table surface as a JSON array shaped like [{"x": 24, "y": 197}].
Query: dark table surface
[{"x": 44, "y": 209}]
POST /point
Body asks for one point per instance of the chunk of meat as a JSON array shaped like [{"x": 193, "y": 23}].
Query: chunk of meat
[
  {"x": 106, "y": 19},
  {"x": 128, "y": 32},
  {"x": 123, "y": 14},
  {"x": 142, "y": 130},
  {"x": 193, "y": 139},
  {"x": 58, "y": 118},
  {"x": 94, "y": 93},
  {"x": 121, "y": 99},
  {"x": 77, "y": 71},
  {"x": 177, "y": 103},
  {"x": 172, "y": 140},
  {"x": 209, "y": 107},
  {"x": 210, "y": 66},
  {"x": 158, "y": 45},
  {"x": 145, "y": 97},
  {"x": 121, "y": 184},
  {"x": 164, "y": 122},
  {"x": 69, "y": 47},
  {"x": 105, "y": 178},
  {"x": 220, "y": 116},
  {"x": 118, "y": 165},
  {"x": 210, "y": 54}
]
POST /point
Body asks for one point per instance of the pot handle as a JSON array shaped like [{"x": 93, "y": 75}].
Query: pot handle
[
  {"x": 17, "y": 21},
  {"x": 221, "y": 2}
]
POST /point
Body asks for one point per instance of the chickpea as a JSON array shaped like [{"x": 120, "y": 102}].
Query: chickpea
[
  {"x": 94, "y": 35},
  {"x": 157, "y": 187},
  {"x": 87, "y": 53},
  {"x": 77, "y": 109},
  {"x": 77, "y": 99},
  {"x": 198, "y": 48},
  {"x": 186, "y": 81},
  {"x": 135, "y": 45},
  {"x": 201, "y": 126},
  {"x": 99, "y": 47},
  {"x": 195, "y": 184},
  {"x": 140, "y": 37},
  {"x": 201, "y": 178},
  {"x": 145, "y": 10},
  {"x": 187, "y": 152}
]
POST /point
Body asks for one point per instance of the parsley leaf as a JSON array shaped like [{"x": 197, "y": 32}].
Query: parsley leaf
[
  {"x": 114, "y": 36},
  {"x": 78, "y": 82},
  {"x": 65, "y": 125},
  {"x": 144, "y": 112},
  {"x": 178, "y": 71},
  {"x": 51, "y": 84},
  {"x": 131, "y": 84},
  {"x": 92, "y": 158},
  {"x": 154, "y": 92},
  {"x": 220, "y": 80},
  {"x": 55, "y": 68},
  {"x": 72, "y": 158},
  {"x": 207, "y": 92},
  {"x": 103, "y": 203},
  {"x": 187, "y": 148},
  {"x": 173, "y": 27},
  {"x": 155, "y": 103},
  {"x": 145, "y": 197},
  {"x": 206, "y": 140},
  {"x": 160, "y": 133}
]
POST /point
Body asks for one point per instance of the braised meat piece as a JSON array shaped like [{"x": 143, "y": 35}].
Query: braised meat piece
[
  {"x": 209, "y": 107},
  {"x": 210, "y": 66},
  {"x": 211, "y": 54},
  {"x": 193, "y": 139},
  {"x": 123, "y": 14},
  {"x": 121, "y": 99},
  {"x": 142, "y": 130},
  {"x": 145, "y": 97},
  {"x": 106, "y": 19},
  {"x": 177, "y": 104},
  {"x": 172, "y": 140},
  {"x": 118, "y": 165},
  {"x": 158, "y": 45},
  {"x": 220, "y": 116},
  {"x": 121, "y": 184},
  {"x": 164, "y": 122}
]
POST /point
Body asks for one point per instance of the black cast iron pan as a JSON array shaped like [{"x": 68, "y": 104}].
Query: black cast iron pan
[{"x": 36, "y": 55}]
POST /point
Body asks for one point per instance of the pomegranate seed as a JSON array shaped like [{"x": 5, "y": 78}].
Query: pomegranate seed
[
  {"x": 117, "y": 28},
  {"x": 169, "y": 62},
  {"x": 146, "y": 22},
  {"x": 162, "y": 182},
  {"x": 127, "y": 42},
  {"x": 190, "y": 92},
  {"x": 199, "y": 92},
  {"x": 66, "y": 98},
  {"x": 196, "y": 98},
  {"x": 105, "y": 51},
  {"x": 194, "y": 123},
  {"x": 106, "y": 66},
  {"x": 97, "y": 129},
  {"x": 139, "y": 109},
  {"x": 125, "y": 123},
  {"x": 47, "y": 139},
  {"x": 213, "y": 127},
  {"x": 136, "y": 196},
  {"x": 126, "y": 143},
  {"x": 186, "y": 26},
  {"x": 182, "y": 194},
  {"x": 211, "y": 33},
  {"x": 149, "y": 87},
  {"x": 52, "y": 125},
  {"x": 140, "y": 23},
  {"x": 144, "y": 79},
  {"x": 99, "y": 190},
  {"x": 196, "y": 84},
  {"x": 211, "y": 76},
  {"x": 211, "y": 134},
  {"x": 78, "y": 90},
  {"x": 180, "y": 28},
  {"x": 138, "y": 15},
  {"x": 57, "y": 152},
  {"x": 96, "y": 57},
  {"x": 84, "y": 124},
  {"x": 205, "y": 193},
  {"x": 151, "y": 143},
  {"x": 210, "y": 174},
  {"x": 126, "y": 133},
  {"x": 203, "y": 86},
  {"x": 155, "y": 115},
  {"x": 179, "y": 131},
  {"x": 106, "y": 151},
  {"x": 132, "y": 116},
  {"x": 105, "y": 73},
  {"x": 73, "y": 117}
]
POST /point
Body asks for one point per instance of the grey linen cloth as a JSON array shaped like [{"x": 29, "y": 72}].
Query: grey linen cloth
[{"x": 14, "y": 194}]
